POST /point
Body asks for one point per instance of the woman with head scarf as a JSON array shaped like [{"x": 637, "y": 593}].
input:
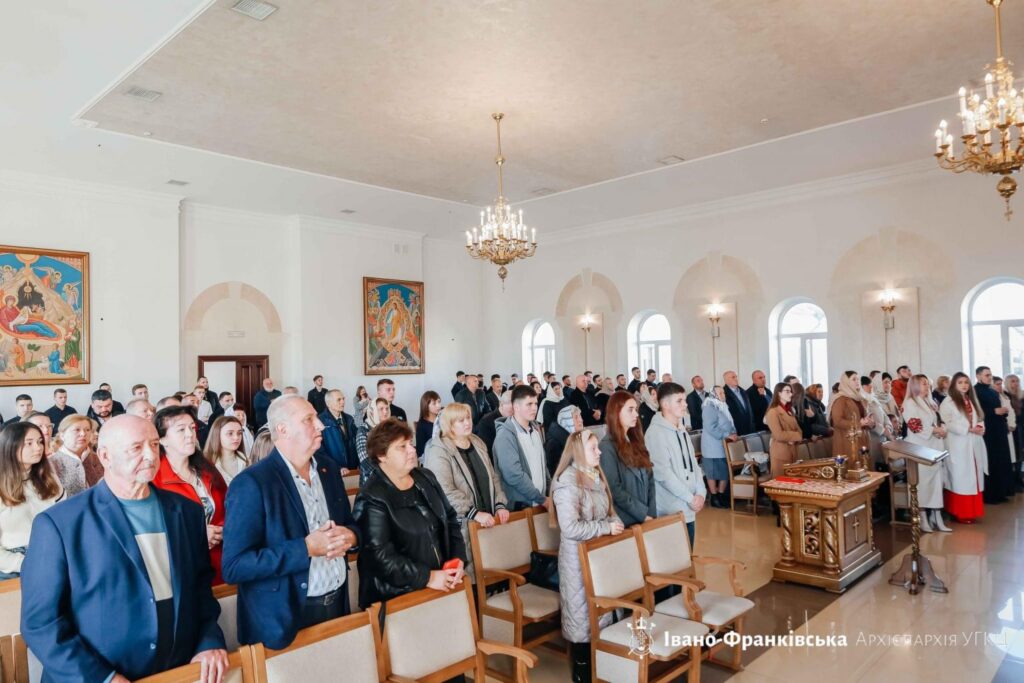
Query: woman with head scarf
[
  {"x": 881, "y": 389},
  {"x": 648, "y": 404},
  {"x": 925, "y": 429},
  {"x": 570, "y": 421},
  {"x": 376, "y": 412},
  {"x": 718, "y": 427},
  {"x": 554, "y": 401},
  {"x": 848, "y": 412}
]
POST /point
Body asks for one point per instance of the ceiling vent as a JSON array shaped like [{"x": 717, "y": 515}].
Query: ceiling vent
[
  {"x": 671, "y": 159},
  {"x": 254, "y": 9},
  {"x": 348, "y": 211},
  {"x": 179, "y": 183},
  {"x": 143, "y": 93},
  {"x": 542, "y": 191}
]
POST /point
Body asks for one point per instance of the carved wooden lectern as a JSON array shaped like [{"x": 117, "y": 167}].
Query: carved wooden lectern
[{"x": 827, "y": 538}]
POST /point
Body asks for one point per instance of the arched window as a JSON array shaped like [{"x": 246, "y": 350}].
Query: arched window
[
  {"x": 654, "y": 344},
  {"x": 802, "y": 341},
  {"x": 995, "y": 327},
  {"x": 539, "y": 348}
]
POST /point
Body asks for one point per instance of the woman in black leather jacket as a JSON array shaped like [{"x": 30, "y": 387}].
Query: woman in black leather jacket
[{"x": 409, "y": 529}]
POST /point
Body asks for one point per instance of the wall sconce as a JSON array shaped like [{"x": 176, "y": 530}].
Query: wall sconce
[
  {"x": 714, "y": 316},
  {"x": 586, "y": 322},
  {"x": 888, "y": 306}
]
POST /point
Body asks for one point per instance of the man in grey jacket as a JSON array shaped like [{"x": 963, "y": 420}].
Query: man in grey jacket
[
  {"x": 678, "y": 480},
  {"x": 519, "y": 453}
]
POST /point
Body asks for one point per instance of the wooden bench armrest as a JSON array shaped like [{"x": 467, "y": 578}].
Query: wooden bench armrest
[
  {"x": 733, "y": 565},
  {"x": 690, "y": 589},
  {"x": 602, "y": 602},
  {"x": 515, "y": 579},
  {"x": 548, "y": 552},
  {"x": 394, "y": 678},
  {"x": 489, "y": 647}
]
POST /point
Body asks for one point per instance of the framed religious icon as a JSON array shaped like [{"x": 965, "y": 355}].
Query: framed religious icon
[
  {"x": 44, "y": 316},
  {"x": 392, "y": 327}
]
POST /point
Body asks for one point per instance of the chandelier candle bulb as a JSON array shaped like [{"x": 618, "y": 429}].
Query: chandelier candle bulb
[{"x": 989, "y": 85}]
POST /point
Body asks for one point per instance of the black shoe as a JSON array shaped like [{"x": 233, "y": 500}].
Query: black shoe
[{"x": 718, "y": 500}]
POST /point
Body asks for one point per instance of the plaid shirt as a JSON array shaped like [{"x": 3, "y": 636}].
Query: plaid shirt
[{"x": 325, "y": 575}]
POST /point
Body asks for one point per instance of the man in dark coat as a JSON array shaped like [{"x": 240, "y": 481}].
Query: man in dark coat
[
  {"x": 473, "y": 396},
  {"x": 695, "y": 402},
  {"x": 760, "y": 397},
  {"x": 582, "y": 399},
  {"x": 739, "y": 404},
  {"x": 261, "y": 401},
  {"x": 339, "y": 435},
  {"x": 999, "y": 481}
]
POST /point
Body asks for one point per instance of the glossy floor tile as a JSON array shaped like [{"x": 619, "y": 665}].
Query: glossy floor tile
[{"x": 974, "y": 633}]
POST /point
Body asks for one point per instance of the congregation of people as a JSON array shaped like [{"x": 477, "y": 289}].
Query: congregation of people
[{"x": 141, "y": 509}]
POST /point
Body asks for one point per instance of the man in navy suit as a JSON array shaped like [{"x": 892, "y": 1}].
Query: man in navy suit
[
  {"x": 287, "y": 530},
  {"x": 117, "y": 579},
  {"x": 339, "y": 435},
  {"x": 739, "y": 404}
]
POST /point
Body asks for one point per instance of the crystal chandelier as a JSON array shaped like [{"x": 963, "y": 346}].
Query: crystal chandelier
[
  {"x": 501, "y": 237},
  {"x": 987, "y": 126}
]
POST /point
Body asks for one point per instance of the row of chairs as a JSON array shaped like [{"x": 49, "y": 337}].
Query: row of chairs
[
  {"x": 407, "y": 649},
  {"x": 624, "y": 572}
]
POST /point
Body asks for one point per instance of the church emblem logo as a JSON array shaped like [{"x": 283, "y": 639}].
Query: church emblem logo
[{"x": 641, "y": 637}]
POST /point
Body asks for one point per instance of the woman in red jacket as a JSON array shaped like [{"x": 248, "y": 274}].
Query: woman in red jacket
[{"x": 185, "y": 471}]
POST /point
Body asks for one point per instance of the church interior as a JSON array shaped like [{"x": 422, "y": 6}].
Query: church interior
[{"x": 238, "y": 190}]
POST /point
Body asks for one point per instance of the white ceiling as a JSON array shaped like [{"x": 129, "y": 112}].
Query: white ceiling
[{"x": 271, "y": 116}]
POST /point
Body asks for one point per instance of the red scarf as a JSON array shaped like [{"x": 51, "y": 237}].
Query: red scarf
[
  {"x": 788, "y": 407},
  {"x": 968, "y": 407}
]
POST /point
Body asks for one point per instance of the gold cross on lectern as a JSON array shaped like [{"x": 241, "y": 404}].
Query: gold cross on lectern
[{"x": 856, "y": 529}]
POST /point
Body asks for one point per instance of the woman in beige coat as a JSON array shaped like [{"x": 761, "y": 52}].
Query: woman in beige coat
[
  {"x": 847, "y": 412},
  {"x": 460, "y": 461},
  {"x": 786, "y": 432}
]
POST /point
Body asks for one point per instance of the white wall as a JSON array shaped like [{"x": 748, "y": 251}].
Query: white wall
[
  {"x": 132, "y": 239},
  {"x": 835, "y": 242}
]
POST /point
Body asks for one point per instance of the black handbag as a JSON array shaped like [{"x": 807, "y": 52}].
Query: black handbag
[{"x": 543, "y": 570}]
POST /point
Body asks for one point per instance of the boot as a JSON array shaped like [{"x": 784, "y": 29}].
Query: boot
[
  {"x": 926, "y": 526},
  {"x": 580, "y": 654},
  {"x": 939, "y": 524}
]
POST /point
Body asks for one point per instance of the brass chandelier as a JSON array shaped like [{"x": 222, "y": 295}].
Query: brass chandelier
[
  {"x": 987, "y": 126},
  {"x": 501, "y": 237}
]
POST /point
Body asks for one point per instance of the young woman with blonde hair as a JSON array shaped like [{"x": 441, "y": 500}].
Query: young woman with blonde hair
[{"x": 584, "y": 510}]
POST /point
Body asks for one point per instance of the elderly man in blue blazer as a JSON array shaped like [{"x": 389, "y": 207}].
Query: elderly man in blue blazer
[
  {"x": 339, "y": 435},
  {"x": 287, "y": 530},
  {"x": 116, "y": 580}
]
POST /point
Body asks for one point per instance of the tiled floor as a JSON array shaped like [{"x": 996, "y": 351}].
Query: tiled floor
[{"x": 982, "y": 565}]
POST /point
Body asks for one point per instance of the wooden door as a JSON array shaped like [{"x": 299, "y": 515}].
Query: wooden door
[{"x": 250, "y": 371}]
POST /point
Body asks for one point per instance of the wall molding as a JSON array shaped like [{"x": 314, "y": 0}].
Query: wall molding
[
  {"x": 50, "y": 186},
  {"x": 844, "y": 184}
]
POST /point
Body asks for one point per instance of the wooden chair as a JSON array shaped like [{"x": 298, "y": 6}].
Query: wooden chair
[
  {"x": 741, "y": 486},
  {"x": 227, "y": 597},
  {"x": 695, "y": 442},
  {"x": 346, "y": 649},
  {"x": 525, "y": 615},
  {"x": 10, "y": 625},
  {"x": 240, "y": 670},
  {"x": 544, "y": 538},
  {"x": 614, "y": 578},
  {"x": 665, "y": 557},
  {"x": 754, "y": 443},
  {"x": 415, "y": 650},
  {"x": 766, "y": 441}
]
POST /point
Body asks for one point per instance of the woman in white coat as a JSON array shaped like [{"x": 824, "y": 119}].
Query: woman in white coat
[
  {"x": 968, "y": 459},
  {"x": 924, "y": 429}
]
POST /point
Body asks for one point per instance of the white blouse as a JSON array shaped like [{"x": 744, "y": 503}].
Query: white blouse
[{"x": 16, "y": 525}]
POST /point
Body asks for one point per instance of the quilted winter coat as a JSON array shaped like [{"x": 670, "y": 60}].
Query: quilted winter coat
[{"x": 584, "y": 512}]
